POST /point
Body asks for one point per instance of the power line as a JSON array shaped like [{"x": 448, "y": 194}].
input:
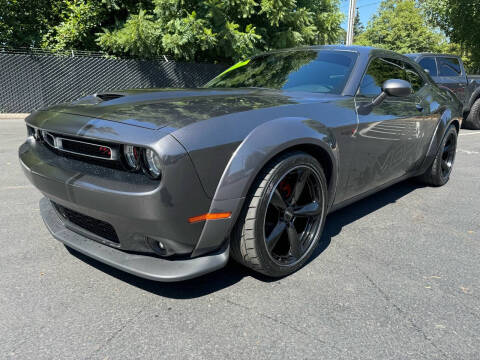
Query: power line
[
  {"x": 359, "y": 6},
  {"x": 370, "y": 4}
]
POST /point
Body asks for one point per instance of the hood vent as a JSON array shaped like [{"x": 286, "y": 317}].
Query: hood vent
[{"x": 108, "y": 97}]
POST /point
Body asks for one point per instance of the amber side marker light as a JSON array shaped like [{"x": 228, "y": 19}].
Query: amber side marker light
[{"x": 209, "y": 216}]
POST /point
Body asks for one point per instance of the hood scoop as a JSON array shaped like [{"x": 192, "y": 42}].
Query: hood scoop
[{"x": 108, "y": 97}]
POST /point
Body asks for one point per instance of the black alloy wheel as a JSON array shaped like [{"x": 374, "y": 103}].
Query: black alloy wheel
[
  {"x": 283, "y": 216},
  {"x": 448, "y": 155},
  {"x": 441, "y": 168},
  {"x": 293, "y": 215}
]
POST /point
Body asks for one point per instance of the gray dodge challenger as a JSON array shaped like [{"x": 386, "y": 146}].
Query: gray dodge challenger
[{"x": 167, "y": 184}]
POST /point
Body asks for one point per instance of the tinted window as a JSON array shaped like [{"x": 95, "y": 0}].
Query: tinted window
[
  {"x": 449, "y": 67},
  {"x": 430, "y": 65},
  {"x": 323, "y": 71},
  {"x": 379, "y": 71},
  {"x": 414, "y": 77}
]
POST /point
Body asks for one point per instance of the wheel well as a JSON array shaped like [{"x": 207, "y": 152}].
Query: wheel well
[{"x": 318, "y": 153}]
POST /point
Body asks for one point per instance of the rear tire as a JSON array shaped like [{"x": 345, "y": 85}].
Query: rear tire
[
  {"x": 473, "y": 120},
  {"x": 439, "y": 172},
  {"x": 283, "y": 216}
]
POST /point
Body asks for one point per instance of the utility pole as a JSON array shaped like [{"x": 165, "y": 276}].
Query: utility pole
[{"x": 351, "y": 22}]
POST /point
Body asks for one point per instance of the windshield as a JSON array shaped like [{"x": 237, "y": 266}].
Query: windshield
[{"x": 323, "y": 71}]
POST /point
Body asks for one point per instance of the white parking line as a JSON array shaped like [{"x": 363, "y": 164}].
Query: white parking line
[
  {"x": 468, "y": 152},
  {"x": 16, "y": 187}
]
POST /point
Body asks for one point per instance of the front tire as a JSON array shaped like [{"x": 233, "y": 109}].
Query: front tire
[
  {"x": 283, "y": 216},
  {"x": 473, "y": 120},
  {"x": 439, "y": 172}
]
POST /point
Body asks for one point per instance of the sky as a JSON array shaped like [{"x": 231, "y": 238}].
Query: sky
[{"x": 367, "y": 8}]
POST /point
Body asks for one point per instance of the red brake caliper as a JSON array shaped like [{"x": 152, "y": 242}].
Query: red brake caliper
[{"x": 285, "y": 188}]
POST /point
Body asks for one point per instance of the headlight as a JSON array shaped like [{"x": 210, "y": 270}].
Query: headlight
[
  {"x": 152, "y": 162},
  {"x": 132, "y": 156}
]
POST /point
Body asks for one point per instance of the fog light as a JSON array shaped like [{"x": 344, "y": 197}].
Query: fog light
[{"x": 159, "y": 247}]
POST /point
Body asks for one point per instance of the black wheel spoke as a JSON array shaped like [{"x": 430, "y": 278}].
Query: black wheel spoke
[
  {"x": 311, "y": 209},
  {"x": 293, "y": 215},
  {"x": 448, "y": 156},
  {"x": 275, "y": 235},
  {"x": 448, "y": 148},
  {"x": 295, "y": 246},
  {"x": 278, "y": 201},
  {"x": 300, "y": 184}
]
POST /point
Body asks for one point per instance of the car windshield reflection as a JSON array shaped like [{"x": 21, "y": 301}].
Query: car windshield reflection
[{"x": 323, "y": 71}]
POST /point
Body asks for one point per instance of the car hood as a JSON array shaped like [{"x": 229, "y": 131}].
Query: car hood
[{"x": 158, "y": 108}]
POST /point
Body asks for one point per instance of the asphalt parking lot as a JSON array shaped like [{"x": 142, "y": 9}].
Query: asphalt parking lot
[{"x": 397, "y": 276}]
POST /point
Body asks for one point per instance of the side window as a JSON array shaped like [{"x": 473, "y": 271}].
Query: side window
[
  {"x": 378, "y": 72},
  {"x": 429, "y": 64},
  {"x": 449, "y": 67},
  {"x": 414, "y": 77}
]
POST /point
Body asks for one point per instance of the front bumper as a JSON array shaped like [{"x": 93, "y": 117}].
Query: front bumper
[
  {"x": 142, "y": 212},
  {"x": 145, "y": 266},
  {"x": 139, "y": 210}
]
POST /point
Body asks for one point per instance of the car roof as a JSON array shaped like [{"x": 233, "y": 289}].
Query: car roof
[
  {"x": 417, "y": 55},
  {"x": 362, "y": 50}
]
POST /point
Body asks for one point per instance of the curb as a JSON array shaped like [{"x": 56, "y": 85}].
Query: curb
[{"x": 13, "y": 116}]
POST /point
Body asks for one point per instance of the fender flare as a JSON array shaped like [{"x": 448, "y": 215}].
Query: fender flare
[
  {"x": 443, "y": 124},
  {"x": 257, "y": 149}
]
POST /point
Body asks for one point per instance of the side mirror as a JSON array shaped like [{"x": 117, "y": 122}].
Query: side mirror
[
  {"x": 397, "y": 88},
  {"x": 393, "y": 87}
]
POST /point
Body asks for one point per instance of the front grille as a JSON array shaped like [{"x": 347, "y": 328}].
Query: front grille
[
  {"x": 98, "y": 153},
  {"x": 83, "y": 148},
  {"x": 95, "y": 226}
]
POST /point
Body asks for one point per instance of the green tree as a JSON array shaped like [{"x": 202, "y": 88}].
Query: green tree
[
  {"x": 223, "y": 30},
  {"x": 208, "y": 30},
  {"x": 358, "y": 27},
  {"x": 24, "y": 22},
  {"x": 460, "y": 20},
  {"x": 80, "y": 21},
  {"x": 401, "y": 26}
]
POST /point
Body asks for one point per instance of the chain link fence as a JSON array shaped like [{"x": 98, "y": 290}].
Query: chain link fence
[{"x": 29, "y": 81}]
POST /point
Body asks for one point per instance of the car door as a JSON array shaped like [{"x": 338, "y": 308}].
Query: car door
[
  {"x": 451, "y": 75},
  {"x": 428, "y": 104},
  {"x": 390, "y": 137}
]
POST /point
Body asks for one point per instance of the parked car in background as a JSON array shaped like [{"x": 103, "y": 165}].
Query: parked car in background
[
  {"x": 166, "y": 184},
  {"x": 448, "y": 71}
]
